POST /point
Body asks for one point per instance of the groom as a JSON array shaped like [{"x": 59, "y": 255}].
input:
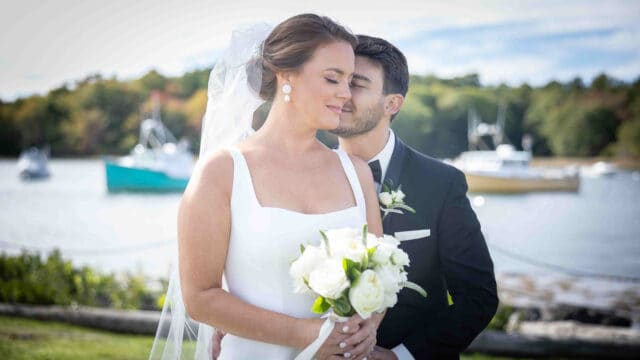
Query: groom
[{"x": 443, "y": 238}]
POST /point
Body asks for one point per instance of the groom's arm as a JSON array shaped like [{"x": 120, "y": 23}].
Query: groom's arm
[{"x": 470, "y": 280}]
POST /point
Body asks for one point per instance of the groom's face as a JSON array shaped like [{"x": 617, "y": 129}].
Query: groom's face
[{"x": 366, "y": 107}]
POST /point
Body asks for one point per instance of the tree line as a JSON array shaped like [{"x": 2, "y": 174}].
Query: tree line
[{"x": 97, "y": 116}]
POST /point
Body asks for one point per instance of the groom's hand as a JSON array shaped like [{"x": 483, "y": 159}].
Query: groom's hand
[
  {"x": 335, "y": 346},
  {"x": 216, "y": 340},
  {"x": 380, "y": 353},
  {"x": 361, "y": 343}
]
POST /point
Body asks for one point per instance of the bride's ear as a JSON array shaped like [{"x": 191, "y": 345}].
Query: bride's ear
[{"x": 284, "y": 78}]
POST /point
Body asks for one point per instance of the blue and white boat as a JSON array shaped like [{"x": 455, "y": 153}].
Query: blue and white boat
[
  {"x": 32, "y": 164},
  {"x": 158, "y": 163}
]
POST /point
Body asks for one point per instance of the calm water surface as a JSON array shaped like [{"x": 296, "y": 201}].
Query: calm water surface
[{"x": 596, "y": 230}]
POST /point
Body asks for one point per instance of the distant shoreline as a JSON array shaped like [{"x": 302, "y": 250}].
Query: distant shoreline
[{"x": 623, "y": 163}]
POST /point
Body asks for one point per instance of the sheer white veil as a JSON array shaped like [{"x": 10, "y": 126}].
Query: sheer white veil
[{"x": 233, "y": 97}]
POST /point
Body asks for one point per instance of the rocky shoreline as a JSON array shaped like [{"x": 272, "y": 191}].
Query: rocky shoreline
[{"x": 605, "y": 302}]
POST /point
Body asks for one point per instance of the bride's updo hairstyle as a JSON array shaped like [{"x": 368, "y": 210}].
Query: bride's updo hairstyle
[{"x": 292, "y": 43}]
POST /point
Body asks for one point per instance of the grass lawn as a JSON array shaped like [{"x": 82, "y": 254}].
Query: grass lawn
[
  {"x": 31, "y": 339},
  {"x": 26, "y": 339}
]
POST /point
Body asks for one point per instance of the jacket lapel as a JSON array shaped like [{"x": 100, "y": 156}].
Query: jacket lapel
[{"x": 392, "y": 177}]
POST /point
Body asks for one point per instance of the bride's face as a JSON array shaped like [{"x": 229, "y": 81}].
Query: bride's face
[{"x": 321, "y": 88}]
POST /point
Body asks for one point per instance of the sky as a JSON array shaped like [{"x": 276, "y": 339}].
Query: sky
[{"x": 45, "y": 44}]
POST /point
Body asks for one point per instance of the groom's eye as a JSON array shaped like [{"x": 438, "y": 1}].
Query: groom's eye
[{"x": 331, "y": 81}]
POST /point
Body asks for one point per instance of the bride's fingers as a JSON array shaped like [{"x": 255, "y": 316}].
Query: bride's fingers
[
  {"x": 351, "y": 326},
  {"x": 367, "y": 329}
]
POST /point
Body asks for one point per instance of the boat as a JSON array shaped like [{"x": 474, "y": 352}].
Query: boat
[
  {"x": 33, "y": 164},
  {"x": 599, "y": 169},
  {"x": 158, "y": 163},
  {"x": 505, "y": 169}
]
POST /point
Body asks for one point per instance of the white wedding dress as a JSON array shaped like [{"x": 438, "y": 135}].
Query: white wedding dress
[{"x": 264, "y": 242}]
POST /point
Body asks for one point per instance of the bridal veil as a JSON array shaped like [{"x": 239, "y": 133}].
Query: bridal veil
[{"x": 232, "y": 99}]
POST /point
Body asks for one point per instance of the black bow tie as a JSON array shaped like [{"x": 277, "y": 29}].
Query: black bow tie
[{"x": 376, "y": 169}]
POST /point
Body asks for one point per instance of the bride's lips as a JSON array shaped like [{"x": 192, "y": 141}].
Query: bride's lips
[{"x": 335, "y": 109}]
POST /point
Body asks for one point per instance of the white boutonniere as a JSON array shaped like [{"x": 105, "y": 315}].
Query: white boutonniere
[{"x": 392, "y": 201}]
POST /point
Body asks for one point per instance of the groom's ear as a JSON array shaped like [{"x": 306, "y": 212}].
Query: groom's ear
[{"x": 393, "y": 103}]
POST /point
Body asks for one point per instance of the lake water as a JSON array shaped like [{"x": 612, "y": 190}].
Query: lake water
[{"x": 596, "y": 230}]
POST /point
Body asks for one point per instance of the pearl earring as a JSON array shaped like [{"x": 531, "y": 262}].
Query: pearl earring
[{"x": 286, "y": 89}]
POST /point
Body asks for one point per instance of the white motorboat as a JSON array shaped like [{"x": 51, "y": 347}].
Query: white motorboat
[
  {"x": 507, "y": 170},
  {"x": 33, "y": 164}
]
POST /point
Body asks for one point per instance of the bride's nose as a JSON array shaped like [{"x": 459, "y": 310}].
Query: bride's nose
[{"x": 344, "y": 92}]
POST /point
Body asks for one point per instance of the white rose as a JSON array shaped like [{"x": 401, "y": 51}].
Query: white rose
[
  {"x": 397, "y": 195},
  {"x": 385, "y": 198},
  {"x": 388, "y": 239},
  {"x": 390, "y": 299},
  {"x": 400, "y": 258},
  {"x": 383, "y": 253},
  {"x": 346, "y": 243},
  {"x": 329, "y": 279},
  {"x": 367, "y": 294},
  {"x": 311, "y": 258},
  {"x": 390, "y": 278}
]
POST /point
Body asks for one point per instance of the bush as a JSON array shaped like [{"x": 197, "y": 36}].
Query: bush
[{"x": 28, "y": 279}]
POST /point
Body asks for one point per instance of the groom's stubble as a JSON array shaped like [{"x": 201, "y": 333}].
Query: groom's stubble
[{"x": 359, "y": 121}]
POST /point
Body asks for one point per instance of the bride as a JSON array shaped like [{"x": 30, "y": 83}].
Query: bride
[{"x": 251, "y": 203}]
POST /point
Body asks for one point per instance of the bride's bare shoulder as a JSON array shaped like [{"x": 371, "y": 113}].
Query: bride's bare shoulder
[
  {"x": 362, "y": 168},
  {"x": 212, "y": 175}
]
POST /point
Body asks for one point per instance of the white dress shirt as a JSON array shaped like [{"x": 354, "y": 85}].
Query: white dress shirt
[{"x": 384, "y": 156}]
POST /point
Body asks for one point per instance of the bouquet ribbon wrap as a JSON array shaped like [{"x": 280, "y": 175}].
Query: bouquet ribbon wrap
[{"x": 325, "y": 330}]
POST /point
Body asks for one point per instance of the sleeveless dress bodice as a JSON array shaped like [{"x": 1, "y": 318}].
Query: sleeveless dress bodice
[{"x": 264, "y": 242}]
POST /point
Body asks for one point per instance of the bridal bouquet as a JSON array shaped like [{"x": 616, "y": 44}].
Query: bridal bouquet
[{"x": 352, "y": 271}]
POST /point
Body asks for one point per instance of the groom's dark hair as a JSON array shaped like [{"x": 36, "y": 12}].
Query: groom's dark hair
[{"x": 392, "y": 60}]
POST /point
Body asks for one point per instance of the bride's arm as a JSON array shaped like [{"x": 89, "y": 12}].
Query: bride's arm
[{"x": 204, "y": 227}]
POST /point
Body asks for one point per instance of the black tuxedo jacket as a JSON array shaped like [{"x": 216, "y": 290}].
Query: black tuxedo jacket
[{"x": 453, "y": 257}]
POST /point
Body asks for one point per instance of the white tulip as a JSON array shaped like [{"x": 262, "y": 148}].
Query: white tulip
[
  {"x": 385, "y": 198},
  {"x": 367, "y": 294},
  {"x": 329, "y": 279},
  {"x": 397, "y": 195}
]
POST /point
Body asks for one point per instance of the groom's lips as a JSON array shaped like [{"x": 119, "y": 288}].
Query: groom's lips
[{"x": 335, "y": 109}]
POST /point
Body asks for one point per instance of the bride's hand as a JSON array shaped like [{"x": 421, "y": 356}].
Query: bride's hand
[
  {"x": 335, "y": 346},
  {"x": 360, "y": 344}
]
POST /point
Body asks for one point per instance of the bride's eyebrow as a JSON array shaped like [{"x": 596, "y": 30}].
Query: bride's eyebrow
[{"x": 340, "y": 72}]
